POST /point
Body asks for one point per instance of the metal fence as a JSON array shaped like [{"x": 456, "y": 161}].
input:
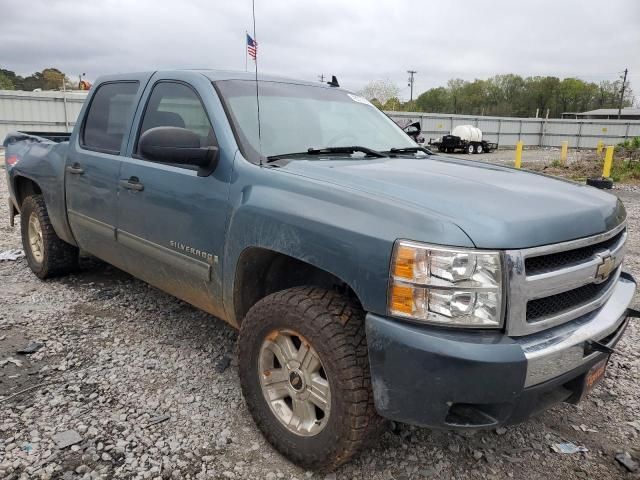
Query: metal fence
[
  {"x": 39, "y": 111},
  {"x": 58, "y": 111},
  {"x": 538, "y": 132}
]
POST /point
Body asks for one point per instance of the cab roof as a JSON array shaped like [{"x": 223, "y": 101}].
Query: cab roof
[{"x": 214, "y": 75}]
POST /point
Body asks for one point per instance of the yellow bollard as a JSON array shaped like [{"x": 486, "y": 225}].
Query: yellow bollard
[
  {"x": 600, "y": 147},
  {"x": 608, "y": 160},
  {"x": 519, "y": 145},
  {"x": 563, "y": 152}
]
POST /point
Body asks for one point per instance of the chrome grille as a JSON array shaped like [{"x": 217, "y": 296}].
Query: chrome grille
[
  {"x": 546, "y": 263},
  {"x": 562, "y": 302},
  {"x": 554, "y": 284}
]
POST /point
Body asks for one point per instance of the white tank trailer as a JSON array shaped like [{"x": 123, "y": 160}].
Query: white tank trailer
[{"x": 464, "y": 138}]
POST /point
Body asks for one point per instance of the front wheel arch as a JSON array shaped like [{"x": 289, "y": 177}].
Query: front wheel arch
[{"x": 261, "y": 272}]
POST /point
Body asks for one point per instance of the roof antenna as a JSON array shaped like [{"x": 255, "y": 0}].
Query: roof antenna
[
  {"x": 333, "y": 82},
  {"x": 255, "y": 59}
]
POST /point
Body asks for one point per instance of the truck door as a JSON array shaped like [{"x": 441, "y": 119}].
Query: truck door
[
  {"x": 171, "y": 222},
  {"x": 93, "y": 165}
]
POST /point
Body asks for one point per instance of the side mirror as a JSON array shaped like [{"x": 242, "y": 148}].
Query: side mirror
[
  {"x": 413, "y": 130},
  {"x": 178, "y": 145}
]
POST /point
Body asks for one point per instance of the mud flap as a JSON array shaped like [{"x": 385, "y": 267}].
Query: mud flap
[{"x": 12, "y": 213}]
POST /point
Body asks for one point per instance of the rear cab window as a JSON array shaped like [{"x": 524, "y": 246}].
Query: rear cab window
[{"x": 108, "y": 116}]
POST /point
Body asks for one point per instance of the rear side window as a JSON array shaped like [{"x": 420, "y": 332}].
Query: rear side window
[{"x": 109, "y": 113}]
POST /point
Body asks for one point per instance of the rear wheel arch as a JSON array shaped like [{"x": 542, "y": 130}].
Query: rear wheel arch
[
  {"x": 261, "y": 272},
  {"x": 25, "y": 187}
]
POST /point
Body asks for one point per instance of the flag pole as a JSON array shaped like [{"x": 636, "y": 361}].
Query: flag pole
[
  {"x": 253, "y": 13},
  {"x": 246, "y": 54}
]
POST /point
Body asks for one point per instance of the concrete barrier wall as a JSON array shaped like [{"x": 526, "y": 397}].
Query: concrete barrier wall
[{"x": 532, "y": 131}]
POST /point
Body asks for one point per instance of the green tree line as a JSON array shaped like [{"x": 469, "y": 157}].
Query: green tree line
[
  {"x": 512, "y": 95},
  {"x": 47, "y": 79}
]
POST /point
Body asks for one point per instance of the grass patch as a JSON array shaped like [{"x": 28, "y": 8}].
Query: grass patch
[{"x": 625, "y": 170}]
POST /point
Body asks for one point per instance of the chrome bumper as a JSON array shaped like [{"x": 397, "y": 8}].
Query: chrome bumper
[{"x": 561, "y": 349}]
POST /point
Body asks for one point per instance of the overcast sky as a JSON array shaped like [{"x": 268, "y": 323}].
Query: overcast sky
[{"x": 357, "y": 40}]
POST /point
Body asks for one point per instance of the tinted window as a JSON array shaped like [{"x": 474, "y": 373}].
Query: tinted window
[
  {"x": 108, "y": 116},
  {"x": 177, "y": 105}
]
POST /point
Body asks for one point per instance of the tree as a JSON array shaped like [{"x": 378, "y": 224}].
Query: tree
[
  {"x": 381, "y": 90},
  {"x": 434, "y": 100},
  {"x": 47, "y": 79},
  {"x": 5, "y": 82},
  {"x": 512, "y": 95},
  {"x": 455, "y": 89},
  {"x": 393, "y": 104}
]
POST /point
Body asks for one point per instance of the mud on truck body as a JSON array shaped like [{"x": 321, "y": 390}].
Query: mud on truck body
[{"x": 369, "y": 278}]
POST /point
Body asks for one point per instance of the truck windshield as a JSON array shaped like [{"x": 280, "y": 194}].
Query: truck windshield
[{"x": 294, "y": 118}]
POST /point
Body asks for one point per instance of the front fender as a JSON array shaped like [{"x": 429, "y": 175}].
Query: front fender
[{"x": 347, "y": 233}]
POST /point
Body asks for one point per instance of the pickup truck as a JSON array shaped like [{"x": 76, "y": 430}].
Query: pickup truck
[{"x": 369, "y": 278}]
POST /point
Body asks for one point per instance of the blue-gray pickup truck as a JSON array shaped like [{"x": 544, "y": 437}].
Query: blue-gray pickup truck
[{"x": 368, "y": 277}]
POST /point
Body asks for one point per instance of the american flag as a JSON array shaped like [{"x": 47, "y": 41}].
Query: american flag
[{"x": 252, "y": 47}]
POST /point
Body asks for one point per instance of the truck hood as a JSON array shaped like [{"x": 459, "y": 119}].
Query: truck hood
[{"x": 496, "y": 206}]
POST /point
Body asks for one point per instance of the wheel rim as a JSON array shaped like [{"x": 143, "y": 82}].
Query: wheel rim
[
  {"x": 36, "y": 243},
  {"x": 470, "y": 149},
  {"x": 294, "y": 382}
]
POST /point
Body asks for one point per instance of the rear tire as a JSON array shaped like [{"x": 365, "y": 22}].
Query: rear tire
[
  {"x": 47, "y": 255},
  {"x": 470, "y": 149},
  {"x": 331, "y": 384},
  {"x": 478, "y": 149}
]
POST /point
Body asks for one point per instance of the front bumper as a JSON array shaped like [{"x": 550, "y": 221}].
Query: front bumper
[{"x": 462, "y": 379}]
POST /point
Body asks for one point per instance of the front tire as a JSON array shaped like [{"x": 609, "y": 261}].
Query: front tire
[
  {"x": 304, "y": 373},
  {"x": 47, "y": 255}
]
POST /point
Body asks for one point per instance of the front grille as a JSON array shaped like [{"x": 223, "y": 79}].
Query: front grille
[
  {"x": 562, "y": 302},
  {"x": 554, "y": 261}
]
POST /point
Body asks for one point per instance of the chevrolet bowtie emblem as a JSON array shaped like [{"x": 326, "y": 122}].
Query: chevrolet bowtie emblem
[{"x": 605, "y": 268}]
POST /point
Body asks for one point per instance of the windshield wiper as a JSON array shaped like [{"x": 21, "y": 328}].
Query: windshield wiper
[
  {"x": 319, "y": 151},
  {"x": 410, "y": 150}
]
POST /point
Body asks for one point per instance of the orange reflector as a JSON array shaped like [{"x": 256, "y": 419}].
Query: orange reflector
[
  {"x": 404, "y": 262},
  {"x": 401, "y": 299}
]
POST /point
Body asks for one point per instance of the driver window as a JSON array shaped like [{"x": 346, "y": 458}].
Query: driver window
[{"x": 177, "y": 105}]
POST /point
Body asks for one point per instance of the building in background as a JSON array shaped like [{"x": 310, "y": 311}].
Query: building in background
[{"x": 628, "y": 113}]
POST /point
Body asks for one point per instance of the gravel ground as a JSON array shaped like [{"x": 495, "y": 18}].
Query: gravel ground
[
  {"x": 529, "y": 155},
  {"x": 149, "y": 384}
]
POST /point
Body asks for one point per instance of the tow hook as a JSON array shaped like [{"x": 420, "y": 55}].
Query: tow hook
[
  {"x": 594, "y": 346},
  {"x": 632, "y": 313}
]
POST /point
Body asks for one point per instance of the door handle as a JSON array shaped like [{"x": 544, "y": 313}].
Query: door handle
[
  {"x": 75, "y": 169},
  {"x": 133, "y": 183}
]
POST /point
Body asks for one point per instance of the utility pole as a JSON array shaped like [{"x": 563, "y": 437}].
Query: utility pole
[
  {"x": 624, "y": 84},
  {"x": 321, "y": 78},
  {"x": 411, "y": 74}
]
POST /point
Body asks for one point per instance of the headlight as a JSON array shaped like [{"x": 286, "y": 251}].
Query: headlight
[{"x": 447, "y": 286}]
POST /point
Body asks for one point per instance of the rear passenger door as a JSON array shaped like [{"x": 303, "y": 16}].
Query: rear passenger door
[
  {"x": 93, "y": 164},
  {"x": 171, "y": 222}
]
